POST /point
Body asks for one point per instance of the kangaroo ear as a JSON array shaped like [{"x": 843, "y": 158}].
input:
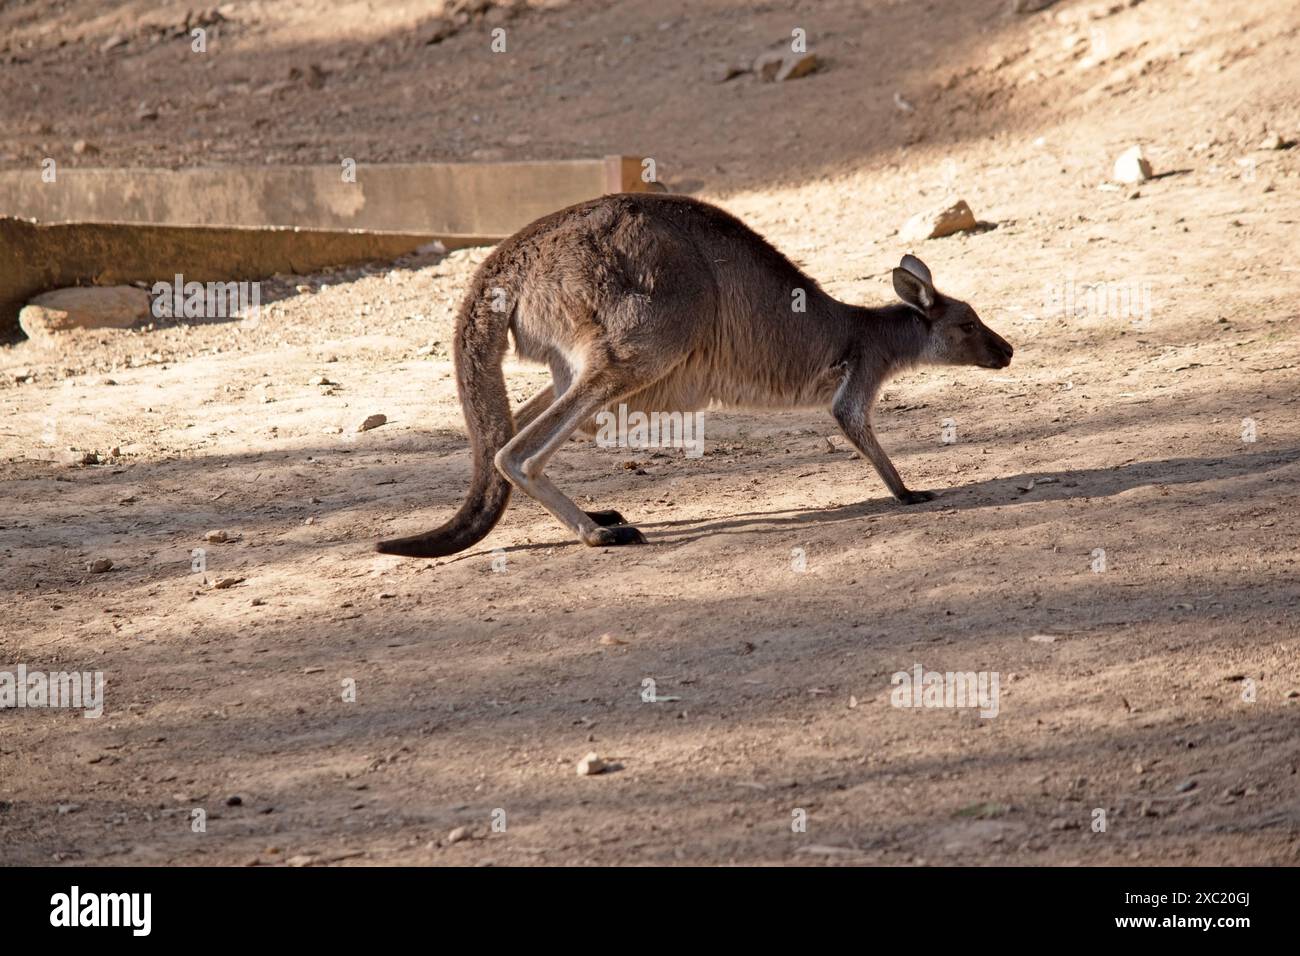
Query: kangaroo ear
[
  {"x": 918, "y": 269},
  {"x": 913, "y": 284}
]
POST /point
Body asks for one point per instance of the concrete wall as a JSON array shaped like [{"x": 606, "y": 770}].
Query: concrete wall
[{"x": 485, "y": 201}]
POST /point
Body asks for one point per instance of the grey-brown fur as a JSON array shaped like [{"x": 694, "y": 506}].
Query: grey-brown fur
[{"x": 666, "y": 303}]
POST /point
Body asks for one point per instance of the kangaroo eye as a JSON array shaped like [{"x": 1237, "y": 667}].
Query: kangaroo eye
[{"x": 968, "y": 326}]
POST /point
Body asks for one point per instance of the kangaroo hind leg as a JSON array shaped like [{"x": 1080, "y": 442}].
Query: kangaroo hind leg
[
  {"x": 527, "y": 413},
  {"x": 523, "y": 460}
]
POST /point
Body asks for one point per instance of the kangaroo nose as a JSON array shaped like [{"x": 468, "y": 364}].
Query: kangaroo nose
[{"x": 1005, "y": 348}]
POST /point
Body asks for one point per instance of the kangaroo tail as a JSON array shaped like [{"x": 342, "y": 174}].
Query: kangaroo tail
[{"x": 479, "y": 350}]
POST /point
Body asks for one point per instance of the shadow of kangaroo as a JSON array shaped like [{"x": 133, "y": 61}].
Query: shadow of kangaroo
[{"x": 665, "y": 303}]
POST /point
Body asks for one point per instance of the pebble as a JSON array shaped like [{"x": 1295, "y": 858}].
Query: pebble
[
  {"x": 99, "y": 566},
  {"x": 591, "y": 765},
  {"x": 1132, "y": 166},
  {"x": 372, "y": 421},
  {"x": 777, "y": 67}
]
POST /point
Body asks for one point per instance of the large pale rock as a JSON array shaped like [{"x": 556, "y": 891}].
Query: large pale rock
[
  {"x": 93, "y": 307},
  {"x": 1132, "y": 166},
  {"x": 935, "y": 223}
]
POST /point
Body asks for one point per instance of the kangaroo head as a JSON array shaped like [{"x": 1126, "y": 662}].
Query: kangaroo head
[{"x": 955, "y": 334}]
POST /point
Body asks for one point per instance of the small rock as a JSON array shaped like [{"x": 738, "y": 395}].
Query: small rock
[
  {"x": 729, "y": 71},
  {"x": 777, "y": 67},
  {"x": 1273, "y": 141},
  {"x": 1132, "y": 167},
  {"x": 66, "y": 808},
  {"x": 937, "y": 223},
  {"x": 458, "y": 834},
  {"x": 372, "y": 421},
  {"x": 591, "y": 765},
  {"x": 113, "y": 43},
  {"x": 74, "y": 457},
  {"x": 83, "y": 148},
  {"x": 609, "y": 640},
  {"x": 146, "y": 112},
  {"x": 234, "y": 801},
  {"x": 216, "y": 536},
  {"x": 1185, "y": 786},
  {"x": 99, "y": 566},
  {"x": 225, "y": 583},
  {"x": 321, "y": 380},
  {"x": 1030, "y": 6}
]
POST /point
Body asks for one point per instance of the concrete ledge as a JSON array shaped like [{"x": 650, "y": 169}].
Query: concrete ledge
[{"x": 448, "y": 200}]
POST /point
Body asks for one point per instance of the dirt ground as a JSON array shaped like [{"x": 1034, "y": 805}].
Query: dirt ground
[{"x": 1162, "y": 690}]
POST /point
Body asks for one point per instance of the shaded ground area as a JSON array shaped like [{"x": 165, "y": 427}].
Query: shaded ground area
[{"x": 1161, "y": 690}]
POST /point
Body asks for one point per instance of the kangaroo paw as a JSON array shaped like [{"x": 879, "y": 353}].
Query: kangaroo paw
[
  {"x": 606, "y": 518},
  {"x": 622, "y": 534}
]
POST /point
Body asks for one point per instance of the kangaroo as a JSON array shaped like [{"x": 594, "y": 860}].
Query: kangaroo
[{"x": 664, "y": 302}]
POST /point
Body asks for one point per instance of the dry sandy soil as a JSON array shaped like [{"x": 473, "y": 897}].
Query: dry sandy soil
[{"x": 1162, "y": 690}]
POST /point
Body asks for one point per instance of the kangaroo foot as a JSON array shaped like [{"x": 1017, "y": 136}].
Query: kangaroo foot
[
  {"x": 606, "y": 518},
  {"x": 621, "y": 534}
]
